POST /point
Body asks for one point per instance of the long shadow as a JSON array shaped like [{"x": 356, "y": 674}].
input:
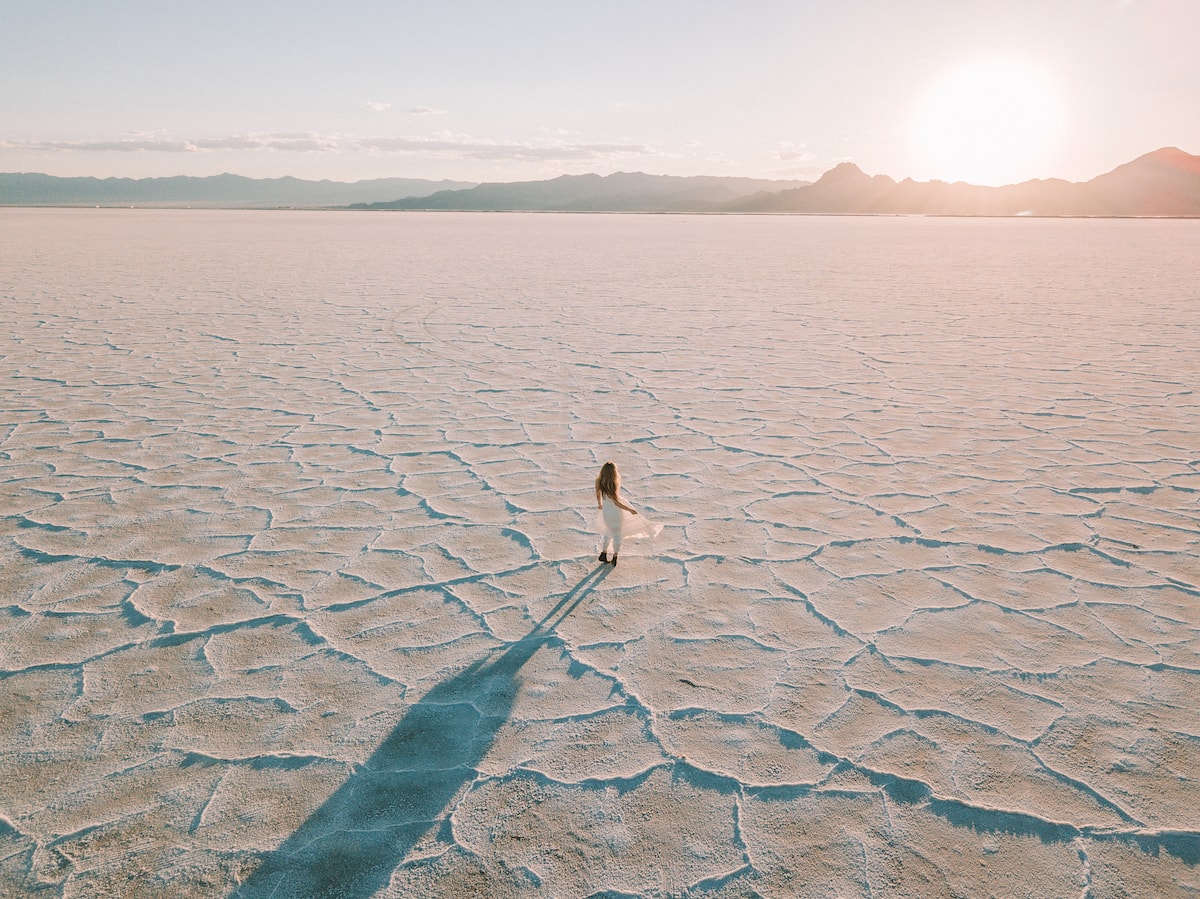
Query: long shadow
[{"x": 349, "y": 846}]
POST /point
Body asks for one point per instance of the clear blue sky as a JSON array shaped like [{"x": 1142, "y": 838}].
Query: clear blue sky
[{"x": 513, "y": 89}]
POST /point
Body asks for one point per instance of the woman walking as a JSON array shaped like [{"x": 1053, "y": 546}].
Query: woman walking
[{"x": 616, "y": 519}]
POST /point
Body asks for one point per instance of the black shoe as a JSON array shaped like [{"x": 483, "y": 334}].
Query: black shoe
[
  {"x": 613, "y": 560},
  {"x": 603, "y": 557}
]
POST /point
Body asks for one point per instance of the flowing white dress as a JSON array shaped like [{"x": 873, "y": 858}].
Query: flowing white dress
[{"x": 614, "y": 524}]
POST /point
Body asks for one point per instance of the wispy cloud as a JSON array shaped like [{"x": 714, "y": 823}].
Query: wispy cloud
[
  {"x": 289, "y": 142},
  {"x": 789, "y": 152},
  {"x": 426, "y": 110},
  {"x": 376, "y": 106},
  {"x": 292, "y": 143},
  {"x": 465, "y": 147},
  {"x": 443, "y": 145}
]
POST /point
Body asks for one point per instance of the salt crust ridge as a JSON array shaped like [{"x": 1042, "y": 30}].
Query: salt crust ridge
[{"x": 298, "y": 597}]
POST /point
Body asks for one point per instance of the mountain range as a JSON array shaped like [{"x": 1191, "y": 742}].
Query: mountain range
[
  {"x": 1165, "y": 182},
  {"x": 219, "y": 191},
  {"x": 619, "y": 192}
]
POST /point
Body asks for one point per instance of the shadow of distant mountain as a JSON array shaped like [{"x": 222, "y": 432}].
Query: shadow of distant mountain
[{"x": 349, "y": 846}]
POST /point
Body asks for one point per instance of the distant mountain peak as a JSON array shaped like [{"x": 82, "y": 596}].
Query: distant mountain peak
[
  {"x": 843, "y": 171},
  {"x": 1165, "y": 182},
  {"x": 1172, "y": 158}
]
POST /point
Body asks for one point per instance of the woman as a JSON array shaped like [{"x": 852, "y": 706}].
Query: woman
[{"x": 616, "y": 520}]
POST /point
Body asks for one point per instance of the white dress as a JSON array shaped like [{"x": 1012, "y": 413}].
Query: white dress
[{"x": 614, "y": 524}]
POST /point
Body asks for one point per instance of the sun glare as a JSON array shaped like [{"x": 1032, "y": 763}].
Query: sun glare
[{"x": 992, "y": 122}]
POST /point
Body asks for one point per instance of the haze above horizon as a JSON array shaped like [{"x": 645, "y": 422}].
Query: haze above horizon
[{"x": 971, "y": 90}]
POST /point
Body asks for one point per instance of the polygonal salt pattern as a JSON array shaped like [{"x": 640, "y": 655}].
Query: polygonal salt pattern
[{"x": 300, "y": 595}]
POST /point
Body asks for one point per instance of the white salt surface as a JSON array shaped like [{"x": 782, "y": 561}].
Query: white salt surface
[{"x": 300, "y": 599}]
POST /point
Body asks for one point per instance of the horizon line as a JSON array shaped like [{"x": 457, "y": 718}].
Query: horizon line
[{"x": 475, "y": 183}]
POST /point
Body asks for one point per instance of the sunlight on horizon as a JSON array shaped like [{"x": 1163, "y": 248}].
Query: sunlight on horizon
[{"x": 992, "y": 122}]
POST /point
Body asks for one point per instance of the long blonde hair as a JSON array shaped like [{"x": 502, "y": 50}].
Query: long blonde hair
[{"x": 608, "y": 482}]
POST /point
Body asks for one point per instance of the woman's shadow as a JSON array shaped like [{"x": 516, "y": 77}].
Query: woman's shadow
[{"x": 352, "y": 843}]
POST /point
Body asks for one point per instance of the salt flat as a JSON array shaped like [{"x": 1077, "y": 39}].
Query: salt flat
[{"x": 299, "y": 595}]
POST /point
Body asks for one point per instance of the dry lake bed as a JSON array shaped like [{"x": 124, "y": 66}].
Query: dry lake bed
[{"x": 299, "y": 594}]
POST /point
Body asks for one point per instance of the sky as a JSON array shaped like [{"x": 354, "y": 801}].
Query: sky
[{"x": 988, "y": 91}]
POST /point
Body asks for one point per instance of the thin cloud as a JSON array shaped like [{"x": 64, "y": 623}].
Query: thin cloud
[
  {"x": 287, "y": 142},
  {"x": 801, "y": 172},
  {"x": 141, "y": 145},
  {"x": 450, "y": 146},
  {"x": 377, "y": 106},
  {"x": 426, "y": 110},
  {"x": 462, "y": 147},
  {"x": 789, "y": 152}
]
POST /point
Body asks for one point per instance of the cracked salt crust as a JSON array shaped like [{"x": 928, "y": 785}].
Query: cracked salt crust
[{"x": 300, "y": 595}]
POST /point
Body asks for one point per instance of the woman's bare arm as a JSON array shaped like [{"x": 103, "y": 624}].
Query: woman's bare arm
[{"x": 616, "y": 500}]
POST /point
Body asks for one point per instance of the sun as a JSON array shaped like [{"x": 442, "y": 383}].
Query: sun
[{"x": 994, "y": 121}]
